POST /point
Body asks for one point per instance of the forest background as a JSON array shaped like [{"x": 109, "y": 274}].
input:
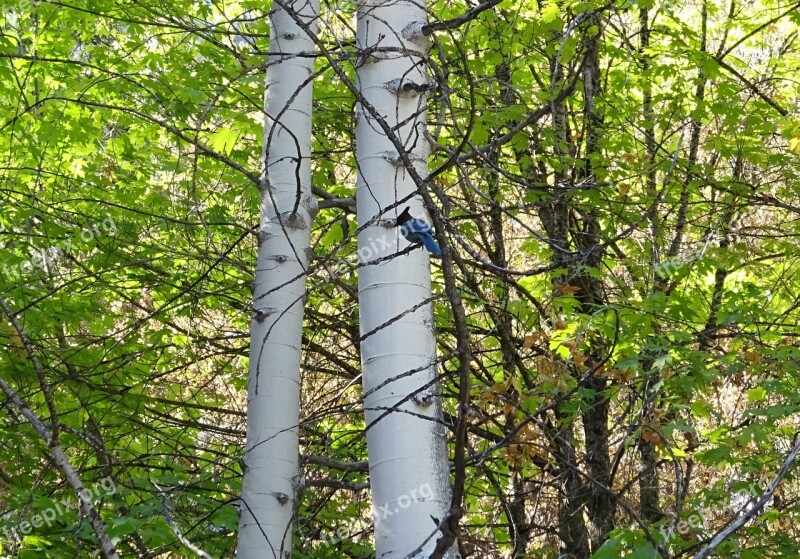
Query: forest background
[{"x": 618, "y": 186}]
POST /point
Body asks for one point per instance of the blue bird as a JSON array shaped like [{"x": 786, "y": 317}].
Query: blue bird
[{"x": 417, "y": 231}]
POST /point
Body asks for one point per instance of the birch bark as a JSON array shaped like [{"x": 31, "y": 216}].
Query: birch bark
[
  {"x": 271, "y": 462},
  {"x": 406, "y": 437}
]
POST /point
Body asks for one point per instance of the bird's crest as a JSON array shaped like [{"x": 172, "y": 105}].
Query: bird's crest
[{"x": 405, "y": 216}]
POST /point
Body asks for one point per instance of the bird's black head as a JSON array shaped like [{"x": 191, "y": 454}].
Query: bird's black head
[{"x": 404, "y": 216}]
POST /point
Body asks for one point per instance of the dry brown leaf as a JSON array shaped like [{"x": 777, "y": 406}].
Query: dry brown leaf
[
  {"x": 569, "y": 289},
  {"x": 579, "y": 358}
]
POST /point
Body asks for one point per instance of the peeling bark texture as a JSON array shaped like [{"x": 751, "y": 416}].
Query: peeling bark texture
[{"x": 271, "y": 461}]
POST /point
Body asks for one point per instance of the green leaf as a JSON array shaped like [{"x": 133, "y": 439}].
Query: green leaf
[{"x": 224, "y": 140}]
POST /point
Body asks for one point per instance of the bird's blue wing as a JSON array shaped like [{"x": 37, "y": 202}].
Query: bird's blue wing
[{"x": 417, "y": 231}]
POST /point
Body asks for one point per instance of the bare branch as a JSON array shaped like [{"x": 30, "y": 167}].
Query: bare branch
[
  {"x": 756, "y": 509},
  {"x": 469, "y": 15}
]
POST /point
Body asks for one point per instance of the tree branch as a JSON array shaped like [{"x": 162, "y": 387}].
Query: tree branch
[
  {"x": 751, "y": 86},
  {"x": 362, "y": 466},
  {"x": 178, "y": 534},
  {"x": 469, "y": 15},
  {"x": 58, "y": 455},
  {"x": 726, "y": 532}
]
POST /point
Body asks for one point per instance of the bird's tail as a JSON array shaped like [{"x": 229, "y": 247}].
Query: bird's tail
[{"x": 430, "y": 244}]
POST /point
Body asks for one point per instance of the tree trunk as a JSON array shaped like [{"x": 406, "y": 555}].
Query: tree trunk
[
  {"x": 271, "y": 463},
  {"x": 406, "y": 437},
  {"x": 649, "y": 481},
  {"x": 600, "y": 504}
]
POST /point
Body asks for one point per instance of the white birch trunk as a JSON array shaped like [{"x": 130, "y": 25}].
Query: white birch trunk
[
  {"x": 271, "y": 462},
  {"x": 408, "y": 464}
]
